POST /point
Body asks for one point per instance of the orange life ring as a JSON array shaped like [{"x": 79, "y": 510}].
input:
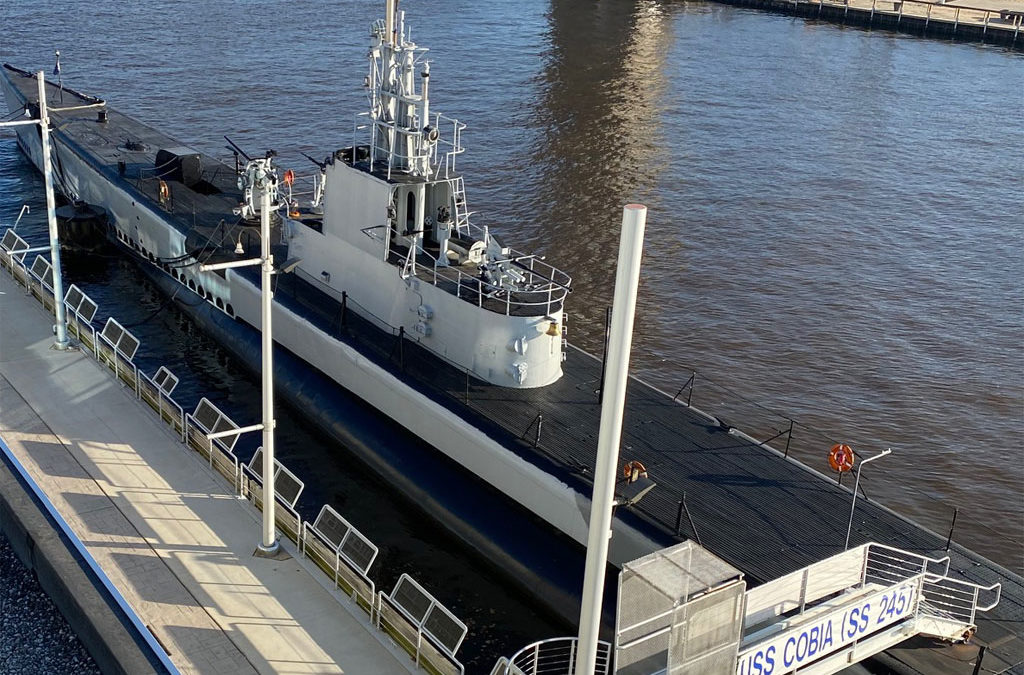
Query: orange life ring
[
  {"x": 633, "y": 470},
  {"x": 164, "y": 192},
  {"x": 289, "y": 177},
  {"x": 840, "y": 457}
]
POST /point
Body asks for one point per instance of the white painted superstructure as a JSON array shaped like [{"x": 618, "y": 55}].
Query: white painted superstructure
[{"x": 396, "y": 234}]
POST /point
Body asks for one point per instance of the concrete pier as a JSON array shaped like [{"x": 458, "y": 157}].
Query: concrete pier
[
  {"x": 163, "y": 526},
  {"x": 991, "y": 21}
]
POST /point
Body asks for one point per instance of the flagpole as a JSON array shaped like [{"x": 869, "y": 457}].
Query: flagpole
[{"x": 56, "y": 71}]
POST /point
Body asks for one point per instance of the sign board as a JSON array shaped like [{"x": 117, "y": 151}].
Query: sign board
[{"x": 830, "y": 632}]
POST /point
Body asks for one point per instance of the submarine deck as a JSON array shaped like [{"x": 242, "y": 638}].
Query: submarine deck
[{"x": 760, "y": 511}]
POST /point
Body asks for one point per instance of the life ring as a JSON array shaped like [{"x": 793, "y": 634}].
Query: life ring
[
  {"x": 289, "y": 177},
  {"x": 634, "y": 470},
  {"x": 840, "y": 457},
  {"x": 164, "y": 192}
]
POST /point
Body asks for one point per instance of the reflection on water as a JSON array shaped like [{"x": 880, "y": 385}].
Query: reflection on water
[
  {"x": 824, "y": 244},
  {"x": 602, "y": 99}
]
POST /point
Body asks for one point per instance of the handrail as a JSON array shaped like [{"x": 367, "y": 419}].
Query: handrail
[
  {"x": 997, "y": 587},
  {"x": 553, "y": 656},
  {"x": 926, "y": 559}
]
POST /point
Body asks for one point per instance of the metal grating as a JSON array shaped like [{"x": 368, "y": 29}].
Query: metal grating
[
  {"x": 166, "y": 380},
  {"x": 412, "y": 597},
  {"x": 87, "y": 310},
  {"x": 123, "y": 341},
  {"x": 43, "y": 271},
  {"x": 680, "y": 609},
  {"x": 348, "y": 542},
  {"x": 80, "y": 303},
  {"x": 73, "y": 297},
  {"x": 428, "y": 614},
  {"x": 13, "y": 243},
  {"x": 359, "y": 551},
  {"x": 211, "y": 419},
  {"x": 287, "y": 485},
  {"x": 705, "y": 626},
  {"x": 448, "y": 630}
]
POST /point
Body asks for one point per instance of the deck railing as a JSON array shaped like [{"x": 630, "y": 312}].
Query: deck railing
[{"x": 540, "y": 291}]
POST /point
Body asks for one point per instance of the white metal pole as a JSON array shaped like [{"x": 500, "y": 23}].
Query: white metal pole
[
  {"x": 269, "y": 543},
  {"x": 51, "y": 219},
  {"x": 856, "y": 484},
  {"x": 389, "y": 21},
  {"x": 634, "y": 218}
]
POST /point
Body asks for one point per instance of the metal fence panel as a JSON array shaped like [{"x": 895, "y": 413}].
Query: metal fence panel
[
  {"x": 349, "y": 542},
  {"x": 211, "y": 420},
  {"x": 43, "y": 271},
  {"x": 287, "y": 485}
]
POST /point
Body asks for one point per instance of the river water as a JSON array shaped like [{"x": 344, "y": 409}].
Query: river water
[{"x": 835, "y": 237}]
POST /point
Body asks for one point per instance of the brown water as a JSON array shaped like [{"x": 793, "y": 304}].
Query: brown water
[{"x": 836, "y": 227}]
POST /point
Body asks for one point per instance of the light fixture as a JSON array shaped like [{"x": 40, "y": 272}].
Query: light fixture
[
  {"x": 287, "y": 266},
  {"x": 238, "y": 247}
]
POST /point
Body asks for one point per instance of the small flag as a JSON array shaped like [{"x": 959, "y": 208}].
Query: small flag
[{"x": 56, "y": 66}]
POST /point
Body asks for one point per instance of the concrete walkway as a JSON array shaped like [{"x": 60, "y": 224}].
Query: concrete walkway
[{"x": 164, "y": 528}]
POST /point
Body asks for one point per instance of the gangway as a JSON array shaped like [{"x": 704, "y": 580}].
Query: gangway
[
  {"x": 683, "y": 611},
  {"x": 853, "y": 605}
]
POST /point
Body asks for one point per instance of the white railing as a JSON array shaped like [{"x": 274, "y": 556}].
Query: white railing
[
  {"x": 440, "y": 155},
  {"x": 886, "y": 565},
  {"x": 957, "y": 600},
  {"x": 556, "y": 656},
  {"x": 541, "y": 291}
]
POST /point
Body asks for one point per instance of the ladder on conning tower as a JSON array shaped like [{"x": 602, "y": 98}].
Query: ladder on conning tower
[{"x": 461, "y": 213}]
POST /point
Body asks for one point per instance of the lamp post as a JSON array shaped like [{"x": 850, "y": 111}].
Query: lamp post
[
  {"x": 51, "y": 214},
  {"x": 634, "y": 219},
  {"x": 51, "y": 219},
  {"x": 265, "y": 181}
]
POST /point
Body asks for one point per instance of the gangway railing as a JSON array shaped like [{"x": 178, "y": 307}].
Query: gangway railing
[
  {"x": 688, "y": 614},
  {"x": 556, "y": 656},
  {"x": 853, "y": 605}
]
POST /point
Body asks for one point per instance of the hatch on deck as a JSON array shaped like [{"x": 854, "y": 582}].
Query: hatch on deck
[{"x": 183, "y": 165}]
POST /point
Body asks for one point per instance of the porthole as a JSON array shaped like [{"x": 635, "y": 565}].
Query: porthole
[
  {"x": 231, "y": 310},
  {"x": 219, "y": 303}
]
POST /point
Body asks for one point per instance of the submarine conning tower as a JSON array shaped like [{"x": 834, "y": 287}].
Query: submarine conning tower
[{"x": 402, "y": 138}]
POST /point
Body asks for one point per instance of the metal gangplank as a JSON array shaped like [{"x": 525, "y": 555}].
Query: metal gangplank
[
  {"x": 853, "y": 605},
  {"x": 683, "y": 611}
]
